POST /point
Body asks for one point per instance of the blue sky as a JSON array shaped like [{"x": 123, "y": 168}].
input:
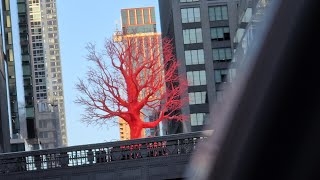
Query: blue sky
[{"x": 81, "y": 22}]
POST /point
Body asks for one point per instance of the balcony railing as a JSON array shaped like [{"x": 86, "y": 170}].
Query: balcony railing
[{"x": 86, "y": 155}]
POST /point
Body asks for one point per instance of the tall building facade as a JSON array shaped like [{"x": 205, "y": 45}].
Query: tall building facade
[
  {"x": 42, "y": 75},
  {"x": 137, "y": 23},
  {"x": 203, "y": 32},
  {"x": 47, "y": 73}
]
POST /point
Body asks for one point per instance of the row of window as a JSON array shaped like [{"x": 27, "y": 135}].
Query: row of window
[
  {"x": 44, "y": 134},
  {"x": 220, "y": 33},
  {"x": 41, "y": 95},
  {"x": 216, "y": 13},
  {"x": 190, "y": 15},
  {"x": 40, "y": 80},
  {"x": 43, "y": 124},
  {"x": 197, "y": 97},
  {"x": 138, "y": 16},
  {"x": 197, "y": 119},
  {"x": 194, "y": 57},
  {"x": 224, "y": 75},
  {"x": 196, "y": 78},
  {"x": 191, "y": 36},
  {"x": 222, "y": 54}
]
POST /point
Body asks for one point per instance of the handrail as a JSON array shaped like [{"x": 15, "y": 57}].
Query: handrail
[{"x": 163, "y": 146}]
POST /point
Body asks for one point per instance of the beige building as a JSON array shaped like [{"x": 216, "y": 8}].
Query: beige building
[{"x": 47, "y": 73}]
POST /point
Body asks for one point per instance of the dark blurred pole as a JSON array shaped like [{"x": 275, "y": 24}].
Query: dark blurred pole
[{"x": 269, "y": 128}]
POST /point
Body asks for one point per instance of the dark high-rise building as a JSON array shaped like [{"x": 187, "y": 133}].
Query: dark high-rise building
[
  {"x": 4, "y": 116},
  {"x": 203, "y": 33},
  {"x": 8, "y": 90}
]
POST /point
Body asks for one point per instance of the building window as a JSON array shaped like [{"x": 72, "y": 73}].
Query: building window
[
  {"x": 124, "y": 17},
  {"x": 224, "y": 75},
  {"x": 132, "y": 17},
  {"x": 222, "y": 54},
  {"x": 186, "y": 1},
  {"x": 218, "y": 13},
  {"x": 191, "y": 36},
  {"x": 197, "y": 119},
  {"x": 196, "y": 78},
  {"x": 43, "y": 135},
  {"x": 43, "y": 124},
  {"x": 220, "y": 33},
  {"x": 197, "y": 98},
  {"x": 194, "y": 57},
  {"x": 190, "y": 15},
  {"x": 139, "y": 16},
  {"x": 146, "y": 15}
]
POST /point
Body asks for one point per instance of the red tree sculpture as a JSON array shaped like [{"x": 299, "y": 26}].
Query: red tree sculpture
[{"x": 131, "y": 77}]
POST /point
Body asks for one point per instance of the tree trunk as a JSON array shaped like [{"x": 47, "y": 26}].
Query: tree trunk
[{"x": 135, "y": 130}]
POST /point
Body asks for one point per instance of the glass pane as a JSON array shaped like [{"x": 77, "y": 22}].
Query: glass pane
[
  {"x": 203, "y": 79},
  {"x": 220, "y": 32},
  {"x": 203, "y": 97},
  {"x": 196, "y": 14},
  {"x": 222, "y": 54},
  {"x": 194, "y": 57},
  {"x": 214, "y": 33},
  {"x": 218, "y": 13},
  {"x": 184, "y": 15},
  {"x": 199, "y": 35},
  {"x": 198, "y": 98},
  {"x": 186, "y": 36},
  {"x": 191, "y": 98},
  {"x": 224, "y": 13},
  {"x": 132, "y": 18},
  {"x": 215, "y": 54},
  {"x": 200, "y": 56},
  {"x": 139, "y": 16},
  {"x": 153, "y": 18},
  {"x": 146, "y": 15},
  {"x": 193, "y": 119},
  {"x": 190, "y": 15},
  {"x": 200, "y": 118},
  {"x": 196, "y": 78},
  {"x": 187, "y": 55},
  {"x": 217, "y": 76},
  {"x": 193, "y": 38},
  {"x": 212, "y": 16},
  {"x": 124, "y": 17},
  {"x": 190, "y": 78}
]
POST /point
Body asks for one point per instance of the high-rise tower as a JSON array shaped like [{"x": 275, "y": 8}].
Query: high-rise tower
[{"x": 47, "y": 73}]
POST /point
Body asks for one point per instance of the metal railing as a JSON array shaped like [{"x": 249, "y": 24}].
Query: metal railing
[{"x": 84, "y": 155}]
